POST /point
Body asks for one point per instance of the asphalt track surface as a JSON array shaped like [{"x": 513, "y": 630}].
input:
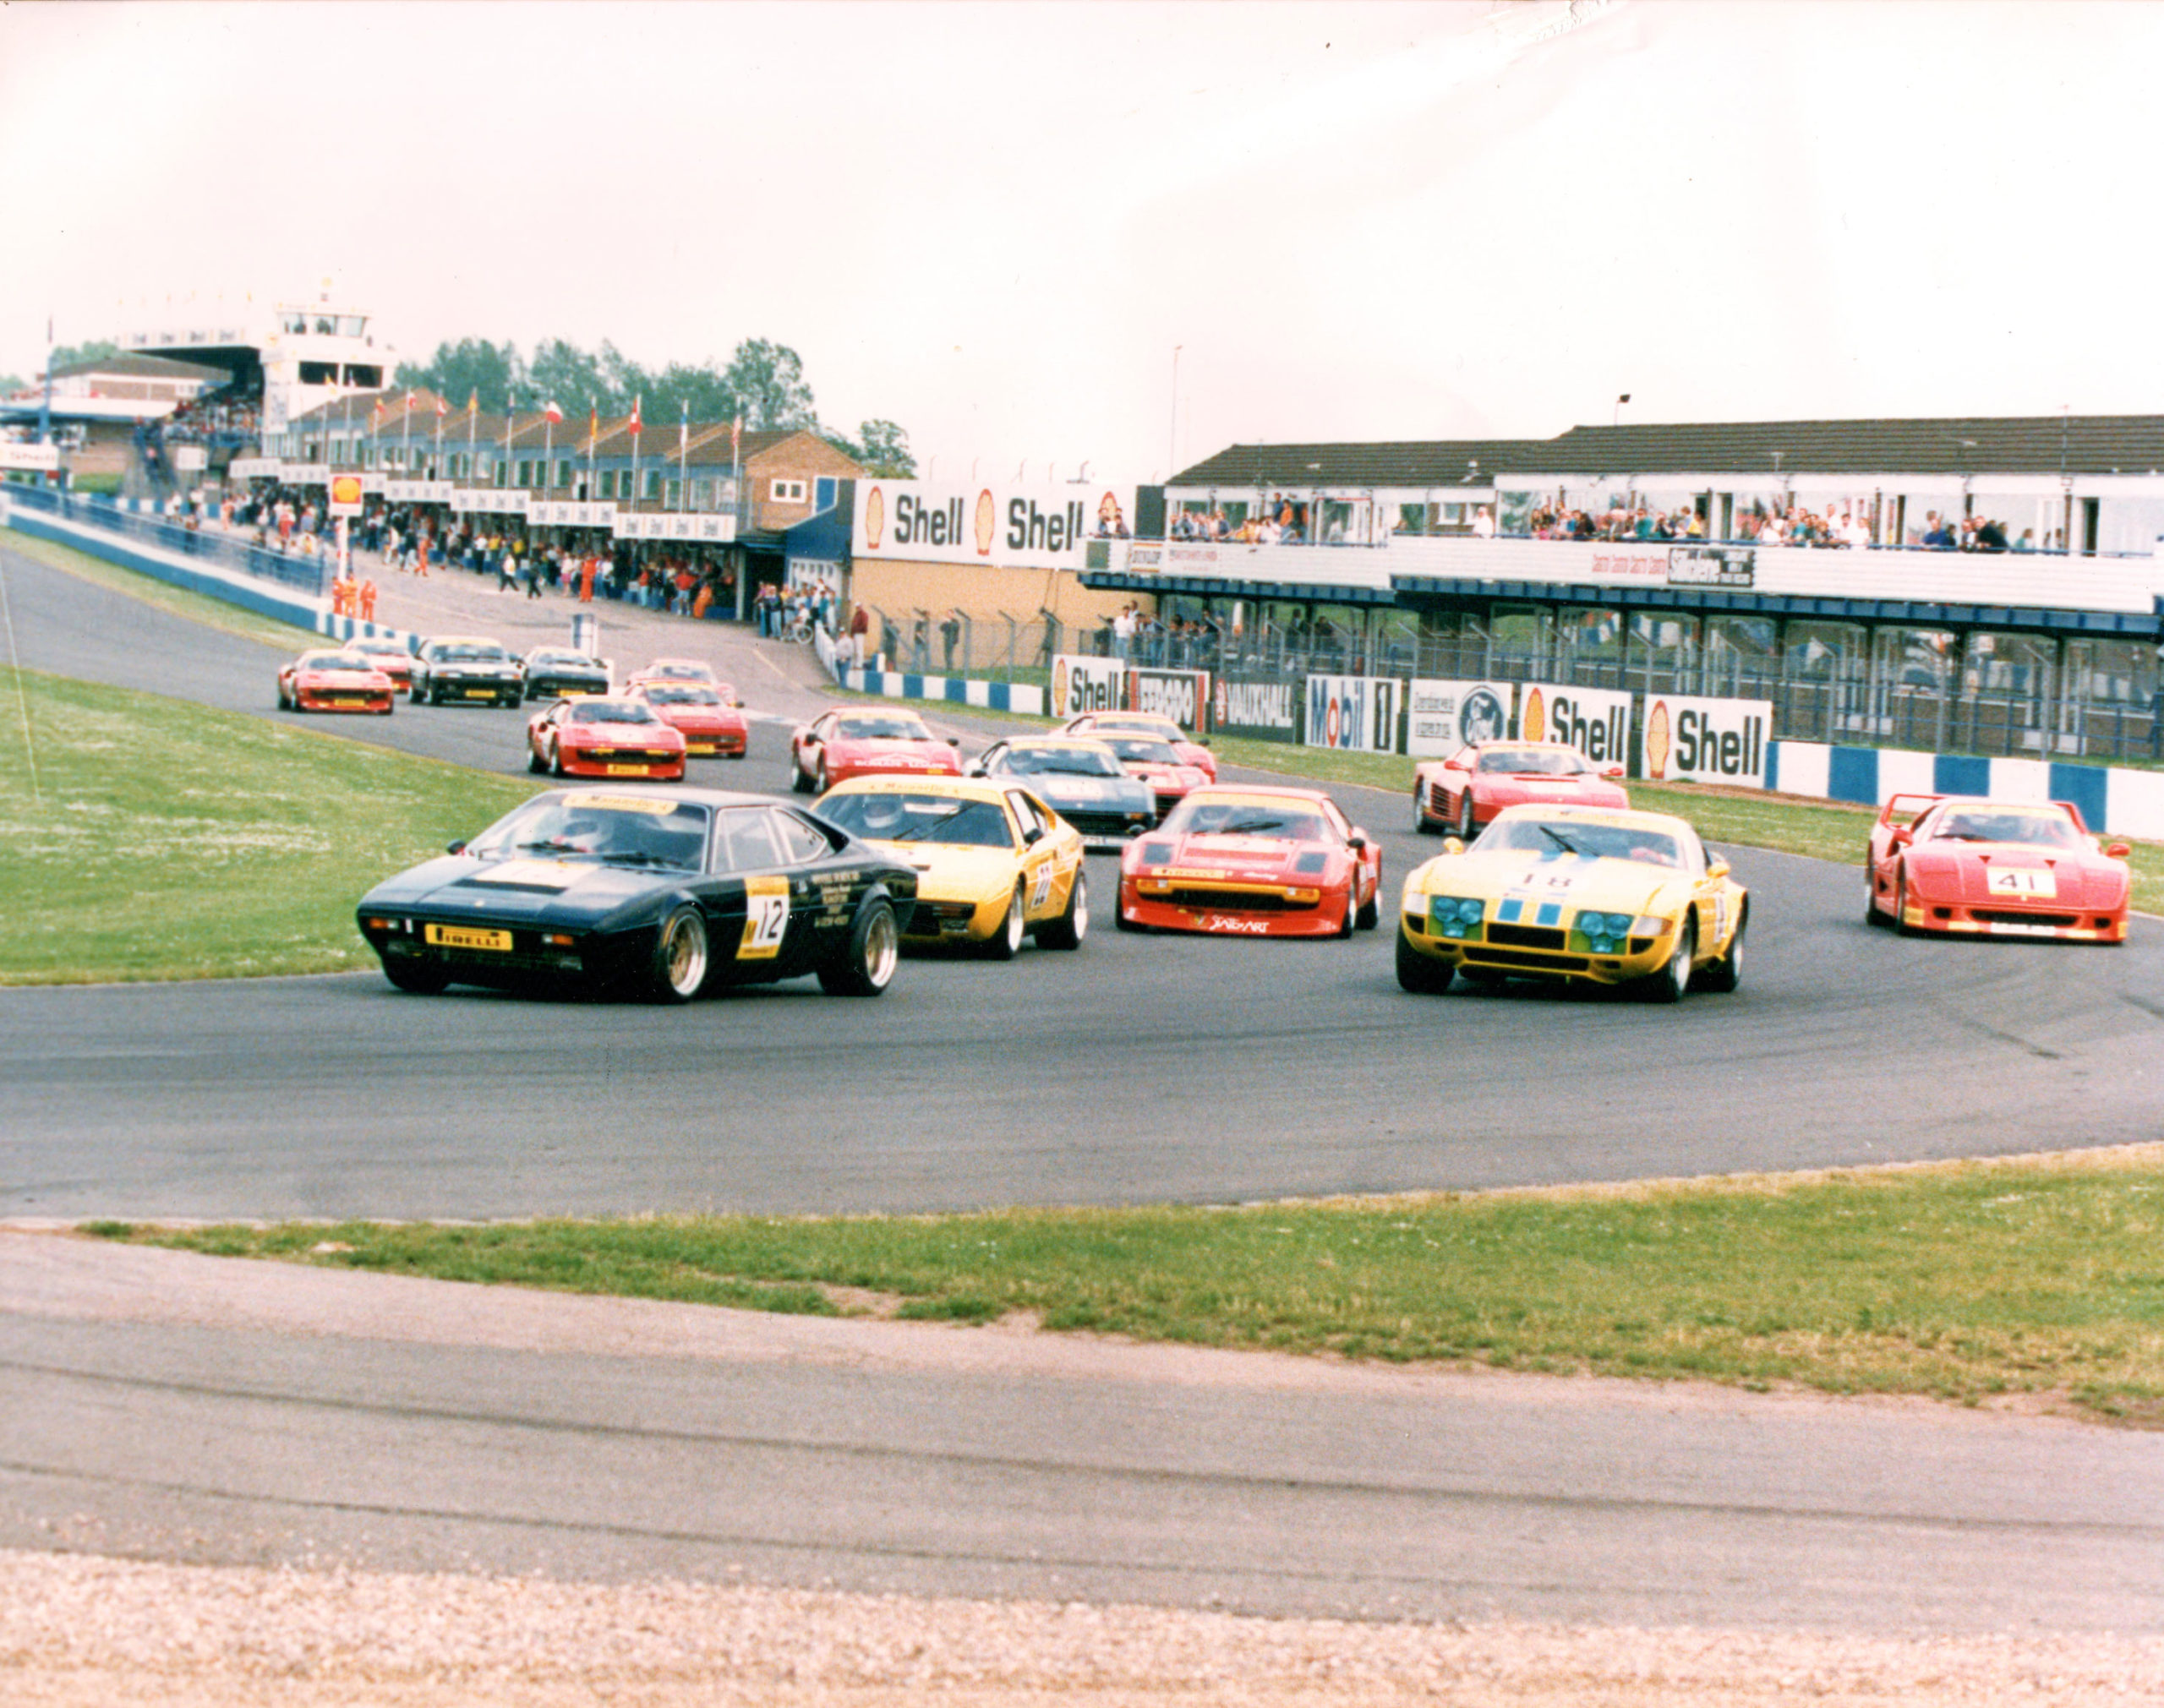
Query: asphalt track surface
[{"x": 1140, "y": 1069}]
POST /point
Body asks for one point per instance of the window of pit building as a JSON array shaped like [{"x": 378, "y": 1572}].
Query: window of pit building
[{"x": 786, "y": 491}]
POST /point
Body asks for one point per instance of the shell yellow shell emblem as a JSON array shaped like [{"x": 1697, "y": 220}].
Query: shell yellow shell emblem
[
  {"x": 1532, "y": 719},
  {"x": 1059, "y": 687},
  {"x": 988, "y": 523},
  {"x": 875, "y": 518},
  {"x": 1657, "y": 743}
]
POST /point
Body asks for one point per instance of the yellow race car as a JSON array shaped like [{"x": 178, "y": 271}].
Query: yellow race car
[
  {"x": 1600, "y": 894},
  {"x": 994, "y": 864}
]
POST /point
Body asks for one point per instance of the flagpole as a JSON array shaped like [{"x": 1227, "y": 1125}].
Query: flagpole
[
  {"x": 405, "y": 442},
  {"x": 683, "y": 451},
  {"x": 635, "y": 425}
]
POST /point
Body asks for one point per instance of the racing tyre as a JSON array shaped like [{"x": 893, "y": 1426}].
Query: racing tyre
[
  {"x": 1069, "y": 929},
  {"x": 874, "y": 949},
  {"x": 1007, "y": 936},
  {"x": 534, "y": 762},
  {"x": 1726, "y": 974},
  {"x": 1347, "y": 925},
  {"x": 1901, "y": 904},
  {"x": 1422, "y": 975},
  {"x": 819, "y": 777},
  {"x": 1372, "y": 912},
  {"x": 1467, "y": 830},
  {"x": 798, "y": 782},
  {"x": 1668, "y": 985},
  {"x": 680, "y": 957},
  {"x": 556, "y": 758},
  {"x": 1421, "y": 824},
  {"x": 415, "y": 978}
]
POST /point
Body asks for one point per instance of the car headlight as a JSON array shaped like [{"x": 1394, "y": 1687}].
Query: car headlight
[
  {"x": 1603, "y": 934},
  {"x": 1456, "y": 916},
  {"x": 1649, "y": 925}
]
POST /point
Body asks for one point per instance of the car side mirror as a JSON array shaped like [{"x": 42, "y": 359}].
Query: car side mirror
[
  {"x": 1717, "y": 867},
  {"x": 974, "y": 768},
  {"x": 2118, "y": 851},
  {"x": 1451, "y": 845},
  {"x": 954, "y": 742},
  {"x": 455, "y": 848},
  {"x": 1202, "y": 741},
  {"x": 1358, "y": 841},
  {"x": 1034, "y": 835},
  {"x": 1613, "y": 770}
]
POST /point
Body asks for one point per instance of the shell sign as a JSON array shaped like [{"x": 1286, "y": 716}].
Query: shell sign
[
  {"x": 1691, "y": 740},
  {"x": 344, "y": 494}
]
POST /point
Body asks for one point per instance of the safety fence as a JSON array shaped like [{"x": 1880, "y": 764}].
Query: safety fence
[{"x": 310, "y": 575}]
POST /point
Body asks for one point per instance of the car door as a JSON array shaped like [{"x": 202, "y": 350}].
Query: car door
[
  {"x": 1049, "y": 863},
  {"x": 1711, "y": 898}
]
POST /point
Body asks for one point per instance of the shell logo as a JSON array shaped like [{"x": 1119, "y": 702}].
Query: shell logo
[
  {"x": 1533, "y": 720},
  {"x": 875, "y": 518},
  {"x": 1059, "y": 686},
  {"x": 1657, "y": 741},
  {"x": 345, "y": 489},
  {"x": 988, "y": 520}
]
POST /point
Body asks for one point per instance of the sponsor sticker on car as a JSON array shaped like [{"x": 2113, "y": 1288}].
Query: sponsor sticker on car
[
  {"x": 466, "y": 937},
  {"x": 765, "y": 918},
  {"x": 2022, "y": 881}
]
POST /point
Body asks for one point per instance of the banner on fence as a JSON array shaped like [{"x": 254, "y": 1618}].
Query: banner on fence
[
  {"x": 1691, "y": 740},
  {"x": 1266, "y": 709},
  {"x": 1442, "y": 716},
  {"x": 1082, "y": 683},
  {"x": 1183, "y": 696},
  {"x": 1596, "y": 721},
  {"x": 1358, "y": 714}
]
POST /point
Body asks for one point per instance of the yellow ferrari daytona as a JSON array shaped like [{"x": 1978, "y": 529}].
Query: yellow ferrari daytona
[
  {"x": 1596, "y": 895},
  {"x": 994, "y": 864}
]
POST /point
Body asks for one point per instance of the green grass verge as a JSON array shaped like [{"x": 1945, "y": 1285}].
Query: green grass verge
[
  {"x": 1968, "y": 1282},
  {"x": 196, "y": 608},
  {"x": 156, "y": 839}
]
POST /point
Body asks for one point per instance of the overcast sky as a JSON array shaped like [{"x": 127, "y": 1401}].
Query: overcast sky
[{"x": 993, "y": 223}]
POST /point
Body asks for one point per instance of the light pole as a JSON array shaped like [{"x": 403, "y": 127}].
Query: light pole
[{"x": 1173, "y": 446}]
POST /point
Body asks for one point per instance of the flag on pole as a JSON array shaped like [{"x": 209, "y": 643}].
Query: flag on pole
[
  {"x": 443, "y": 408},
  {"x": 592, "y": 427},
  {"x": 736, "y": 437},
  {"x": 684, "y": 428},
  {"x": 635, "y": 417},
  {"x": 473, "y": 403},
  {"x": 554, "y": 412},
  {"x": 409, "y": 397}
]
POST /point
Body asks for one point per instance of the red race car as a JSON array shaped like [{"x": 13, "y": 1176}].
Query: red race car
[
  {"x": 1190, "y": 750},
  {"x": 678, "y": 670},
  {"x": 393, "y": 657},
  {"x": 708, "y": 720},
  {"x": 867, "y": 741},
  {"x": 1153, "y": 759},
  {"x": 1252, "y": 862},
  {"x": 1994, "y": 868},
  {"x": 333, "y": 679},
  {"x": 1463, "y": 793},
  {"x": 598, "y": 736}
]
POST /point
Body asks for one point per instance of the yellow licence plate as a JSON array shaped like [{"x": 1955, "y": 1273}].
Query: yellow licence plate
[
  {"x": 628, "y": 770},
  {"x": 698, "y": 747},
  {"x": 480, "y": 693},
  {"x": 466, "y": 937}
]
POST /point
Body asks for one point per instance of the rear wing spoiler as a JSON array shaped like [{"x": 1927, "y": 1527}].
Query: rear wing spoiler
[{"x": 1907, "y": 808}]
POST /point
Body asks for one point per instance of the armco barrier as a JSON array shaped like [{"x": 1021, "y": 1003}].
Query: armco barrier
[
  {"x": 1025, "y": 697},
  {"x": 81, "y": 530},
  {"x": 2123, "y": 803}
]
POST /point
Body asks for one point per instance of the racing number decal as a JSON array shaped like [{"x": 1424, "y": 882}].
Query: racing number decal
[
  {"x": 766, "y": 917},
  {"x": 2021, "y": 881},
  {"x": 1040, "y": 891}
]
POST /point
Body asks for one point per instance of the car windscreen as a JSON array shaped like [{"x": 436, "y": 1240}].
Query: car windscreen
[
  {"x": 470, "y": 655},
  {"x": 2004, "y": 824},
  {"x": 876, "y": 729},
  {"x": 1142, "y": 749},
  {"x": 1058, "y": 761},
  {"x": 1292, "y": 822},
  {"x": 681, "y": 694},
  {"x": 1594, "y": 840},
  {"x": 1532, "y": 761},
  {"x": 611, "y": 711},
  {"x": 895, "y": 816},
  {"x": 335, "y": 661},
  {"x": 611, "y": 829}
]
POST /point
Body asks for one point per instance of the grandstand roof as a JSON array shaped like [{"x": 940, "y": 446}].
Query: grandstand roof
[
  {"x": 1959, "y": 444},
  {"x": 143, "y": 368}
]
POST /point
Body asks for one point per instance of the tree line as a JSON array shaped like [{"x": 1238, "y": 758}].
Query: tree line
[{"x": 763, "y": 382}]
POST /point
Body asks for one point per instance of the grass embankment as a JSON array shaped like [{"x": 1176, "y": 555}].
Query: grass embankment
[
  {"x": 1968, "y": 1282},
  {"x": 154, "y": 839}
]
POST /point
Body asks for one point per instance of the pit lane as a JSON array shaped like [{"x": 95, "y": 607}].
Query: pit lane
[{"x": 1141, "y": 1069}]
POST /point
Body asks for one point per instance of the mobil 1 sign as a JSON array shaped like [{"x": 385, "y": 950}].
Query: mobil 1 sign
[
  {"x": 1694, "y": 740},
  {"x": 1596, "y": 721},
  {"x": 1443, "y": 717},
  {"x": 1358, "y": 714}
]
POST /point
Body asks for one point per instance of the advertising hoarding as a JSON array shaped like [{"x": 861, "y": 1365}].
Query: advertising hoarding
[
  {"x": 1265, "y": 709},
  {"x": 1442, "y": 716},
  {"x": 1596, "y": 721},
  {"x": 1041, "y": 527},
  {"x": 1691, "y": 740},
  {"x": 1183, "y": 696},
  {"x": 1083, "y": 683},
  {"x": 1355, "y": 714}
]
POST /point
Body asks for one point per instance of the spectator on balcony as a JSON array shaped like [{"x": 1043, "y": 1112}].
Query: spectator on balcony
[{"x": 1483, "y": 523}]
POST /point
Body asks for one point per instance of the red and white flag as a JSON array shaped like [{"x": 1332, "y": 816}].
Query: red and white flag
[
  {"x": 554, "y": 412},
  {"x": 635, "y": 417},
  {"x": 736, "y": 435},
  {"x": 442, "y": 409}
]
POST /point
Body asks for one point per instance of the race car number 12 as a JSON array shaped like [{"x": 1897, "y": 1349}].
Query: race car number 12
[{"x": 766, "y": 917}]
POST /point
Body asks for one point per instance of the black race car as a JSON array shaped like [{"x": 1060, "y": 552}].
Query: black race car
[
  {"x": 553, "y": 672},
  {"x": 463, "y": 667},
  {"x": 663, "y": 892},
  {"x": 1080, "y": 779}
]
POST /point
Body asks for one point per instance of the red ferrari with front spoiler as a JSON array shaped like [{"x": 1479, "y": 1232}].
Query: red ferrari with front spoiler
[
  {"x": 1994, "y": 868},
  {"x": 867, "y": 741},
  {"x": 708, "y": 722},
  {"x": 594, "y": 736},
  {"x": 1252, "y": 862},
  {"x": 1464, "y": 792}
]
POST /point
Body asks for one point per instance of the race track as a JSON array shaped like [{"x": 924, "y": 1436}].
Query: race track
[{"x": 1140, "y": 1069}]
